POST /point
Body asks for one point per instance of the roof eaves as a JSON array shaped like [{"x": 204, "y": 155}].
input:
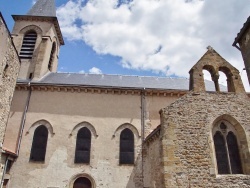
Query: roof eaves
[
  {"x": 21, "y": 82},
  {"x": 155, "y": 132},
  {"x": 246, "y": 25},
  {"x": 7, "y": 151}
]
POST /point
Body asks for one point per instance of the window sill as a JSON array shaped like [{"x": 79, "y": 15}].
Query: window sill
[
  {"x": 224, "y": 176},
  {"x": 127, "y": 164},
  {"x": 37, "y": 162}
]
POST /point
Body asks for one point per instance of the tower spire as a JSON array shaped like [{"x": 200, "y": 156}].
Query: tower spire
[{"x": 43, "y": 8}]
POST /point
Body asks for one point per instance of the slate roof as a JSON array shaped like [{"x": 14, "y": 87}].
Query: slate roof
[
  {"x": 43, "y": 8},
  {"x": 242, "y": 31},
  {"x": 118, "y": 81}
]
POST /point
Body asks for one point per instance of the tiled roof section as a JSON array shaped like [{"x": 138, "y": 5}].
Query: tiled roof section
[
  {"x": 119, "y": 81},
  {"x": 242, "y": 31},
  {"x": 43, "y": 8}
]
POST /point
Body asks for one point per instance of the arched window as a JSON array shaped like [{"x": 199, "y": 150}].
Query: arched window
[
  {"x": 39, "y": 144},
  {"x": 83, "y": 145},
  {"x": 82, "y": 182},
  {"x": 226, "y": 149},
  {"x": 28, "y": 46},
  {"x": 51, "y": 58},
  {"x": 127, "y": 147}
]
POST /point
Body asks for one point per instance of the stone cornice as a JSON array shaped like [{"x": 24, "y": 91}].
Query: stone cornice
[
  {"x": 99, "y": 90},
  {"x": 153, "y": 135}
]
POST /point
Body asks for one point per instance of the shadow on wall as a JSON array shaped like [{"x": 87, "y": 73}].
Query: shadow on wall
[{"x": 135, "y": 179}]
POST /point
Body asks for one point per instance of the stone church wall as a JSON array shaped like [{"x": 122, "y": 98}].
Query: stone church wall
[
  {"x": 64, "y": 111},
  {"x": 152, "y": 160},
  {"x": 188, "y": 148},
  {"x": 9, "y": 68}
]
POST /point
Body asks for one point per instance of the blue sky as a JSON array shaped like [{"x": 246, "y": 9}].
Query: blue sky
[{"x": 142, "y": 37}]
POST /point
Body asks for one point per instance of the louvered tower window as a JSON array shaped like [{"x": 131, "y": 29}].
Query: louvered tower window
[
  {"x": 227, "y": 151},
  {"x": 83, "y": 145},
  {"x": 28, "y": 46},
  {"x": 82, "y": 182},
  {"x": 52, "y": 56},
  {"x": 127, "y": 147},
  {"x": 39, "y": 144}
]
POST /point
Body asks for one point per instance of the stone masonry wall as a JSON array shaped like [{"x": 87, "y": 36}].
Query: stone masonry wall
[
  {"x": 152, "y": 161},
  {"x": 9, "y": 68},
  {"x": 188, "y": 149}
]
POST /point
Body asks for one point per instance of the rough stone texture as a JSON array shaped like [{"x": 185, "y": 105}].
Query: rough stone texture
[
  {"x": 153, "y": 169},
  {"x": 9, "y": 68},
  {"x": 188, "y": 149},
  {"x": 213, "y": 63},
  {"x": 179, "y": 153},
  {"x": 183, "y": 144}
]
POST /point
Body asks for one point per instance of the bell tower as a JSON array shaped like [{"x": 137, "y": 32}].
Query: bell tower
[{"x": 37, "y": 37}]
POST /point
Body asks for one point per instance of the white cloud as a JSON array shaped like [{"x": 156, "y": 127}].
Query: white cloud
[
  {"x": 81, "y": 71},
  {"x": 95, "y": 70},
  {"x": 159, "y": 35}
]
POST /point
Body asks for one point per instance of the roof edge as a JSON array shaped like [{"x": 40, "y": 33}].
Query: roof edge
[
  {"x": 23, "y": 83},
  {"x": 246, "y": 25}
]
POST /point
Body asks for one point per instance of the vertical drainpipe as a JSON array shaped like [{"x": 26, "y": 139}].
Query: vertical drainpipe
[
  {"x": 142, "y": 128},
  {"x": 4, "y": 170},
  {"x": 23, "y": 120},
  {"x": 20, "y": 132}
]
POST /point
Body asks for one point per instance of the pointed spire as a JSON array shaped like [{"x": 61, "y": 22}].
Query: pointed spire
[{"x": 43, "y": 8}]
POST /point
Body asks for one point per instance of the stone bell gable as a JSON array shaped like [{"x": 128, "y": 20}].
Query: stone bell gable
[
  {"x": 205, "y": 135},
  {"x": 213, "y": 63}
]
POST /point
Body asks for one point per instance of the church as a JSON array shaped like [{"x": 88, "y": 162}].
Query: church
[{"x": 115, "y": 131}]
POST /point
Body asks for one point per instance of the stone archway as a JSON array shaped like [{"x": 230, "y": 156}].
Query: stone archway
[{"x": 82, "y": 182}]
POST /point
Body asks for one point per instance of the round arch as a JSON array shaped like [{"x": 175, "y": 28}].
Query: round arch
[
  {"x": 84, "y": 175},
  {"x": 210, "y": 69},
  {"x": 35, "y": 28},
  {"x": 226, "y": 70},
  {"x": 55, "y": 39}
]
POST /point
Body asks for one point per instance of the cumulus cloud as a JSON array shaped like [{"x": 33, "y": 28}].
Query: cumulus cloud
[
  {"x": 95, "y": 70},
  {"x": 163, "y": 36}
]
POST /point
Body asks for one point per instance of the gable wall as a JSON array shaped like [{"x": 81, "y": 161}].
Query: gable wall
[{"x": 188, "y": 149}]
